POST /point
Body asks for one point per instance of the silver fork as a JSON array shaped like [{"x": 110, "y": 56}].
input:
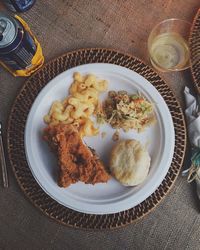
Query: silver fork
[{"x": 2, "y": 161}]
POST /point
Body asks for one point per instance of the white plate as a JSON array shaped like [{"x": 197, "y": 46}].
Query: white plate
[{"x": 108, "y": 197}]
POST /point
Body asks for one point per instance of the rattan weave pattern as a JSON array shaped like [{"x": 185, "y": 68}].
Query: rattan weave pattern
[
  {"x": 16, "y": 127},
  {"x": 194, "y": 43}
]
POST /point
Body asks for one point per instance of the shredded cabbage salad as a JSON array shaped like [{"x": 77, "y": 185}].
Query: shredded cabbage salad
[{"x": 125, "y": 111}]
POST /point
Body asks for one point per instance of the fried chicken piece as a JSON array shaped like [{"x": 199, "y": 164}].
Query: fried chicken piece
[{"x": 76, "y": 161}]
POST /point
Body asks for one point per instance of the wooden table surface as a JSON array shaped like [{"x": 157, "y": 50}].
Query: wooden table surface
[{"x": 62, "y": 26}]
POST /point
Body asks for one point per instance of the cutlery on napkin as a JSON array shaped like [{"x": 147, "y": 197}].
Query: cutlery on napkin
[
  {"x": 2, "y": 160},
  {"x": 192, "y": 113}
]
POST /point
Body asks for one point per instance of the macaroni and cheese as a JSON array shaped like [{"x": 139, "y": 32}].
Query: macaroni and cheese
[{"x": 78, "y": 107}]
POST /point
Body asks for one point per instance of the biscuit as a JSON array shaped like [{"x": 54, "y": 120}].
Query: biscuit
[{"x": 129, "y": 162}]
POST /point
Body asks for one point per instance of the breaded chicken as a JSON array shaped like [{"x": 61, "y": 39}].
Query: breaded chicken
[{"x": 76, "y": 161}]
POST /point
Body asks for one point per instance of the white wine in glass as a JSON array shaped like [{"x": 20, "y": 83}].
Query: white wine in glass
[
  {"x": 168, "y": 47},
  {"x": 169, "y": 51}
]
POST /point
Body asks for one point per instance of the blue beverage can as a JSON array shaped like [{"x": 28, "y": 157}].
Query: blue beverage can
[
  {"x": 19, "y": 5},
  {"x": 17, "y": 46}
]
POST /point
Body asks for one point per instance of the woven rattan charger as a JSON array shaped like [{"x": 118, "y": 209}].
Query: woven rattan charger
[
  {"x": 16, "y": 150},
  {"x": 194, "y": 43}
]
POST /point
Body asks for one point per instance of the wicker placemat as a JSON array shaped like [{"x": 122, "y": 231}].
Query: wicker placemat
[
  {"x": 16, "y": 150},
  {"x": 194, "y": 43}
]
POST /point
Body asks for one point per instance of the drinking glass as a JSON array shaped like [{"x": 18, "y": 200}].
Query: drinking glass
[{"x": 168, "y": 45}]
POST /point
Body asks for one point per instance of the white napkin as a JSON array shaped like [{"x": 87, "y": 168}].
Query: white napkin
[{"x": 193, "y": 124}]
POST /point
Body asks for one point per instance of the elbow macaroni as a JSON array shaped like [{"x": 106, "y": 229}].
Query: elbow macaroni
[{"x": 82, "y": 102}]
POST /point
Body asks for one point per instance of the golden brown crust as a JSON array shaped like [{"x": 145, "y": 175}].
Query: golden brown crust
[{"x": 76, "y": 161}]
